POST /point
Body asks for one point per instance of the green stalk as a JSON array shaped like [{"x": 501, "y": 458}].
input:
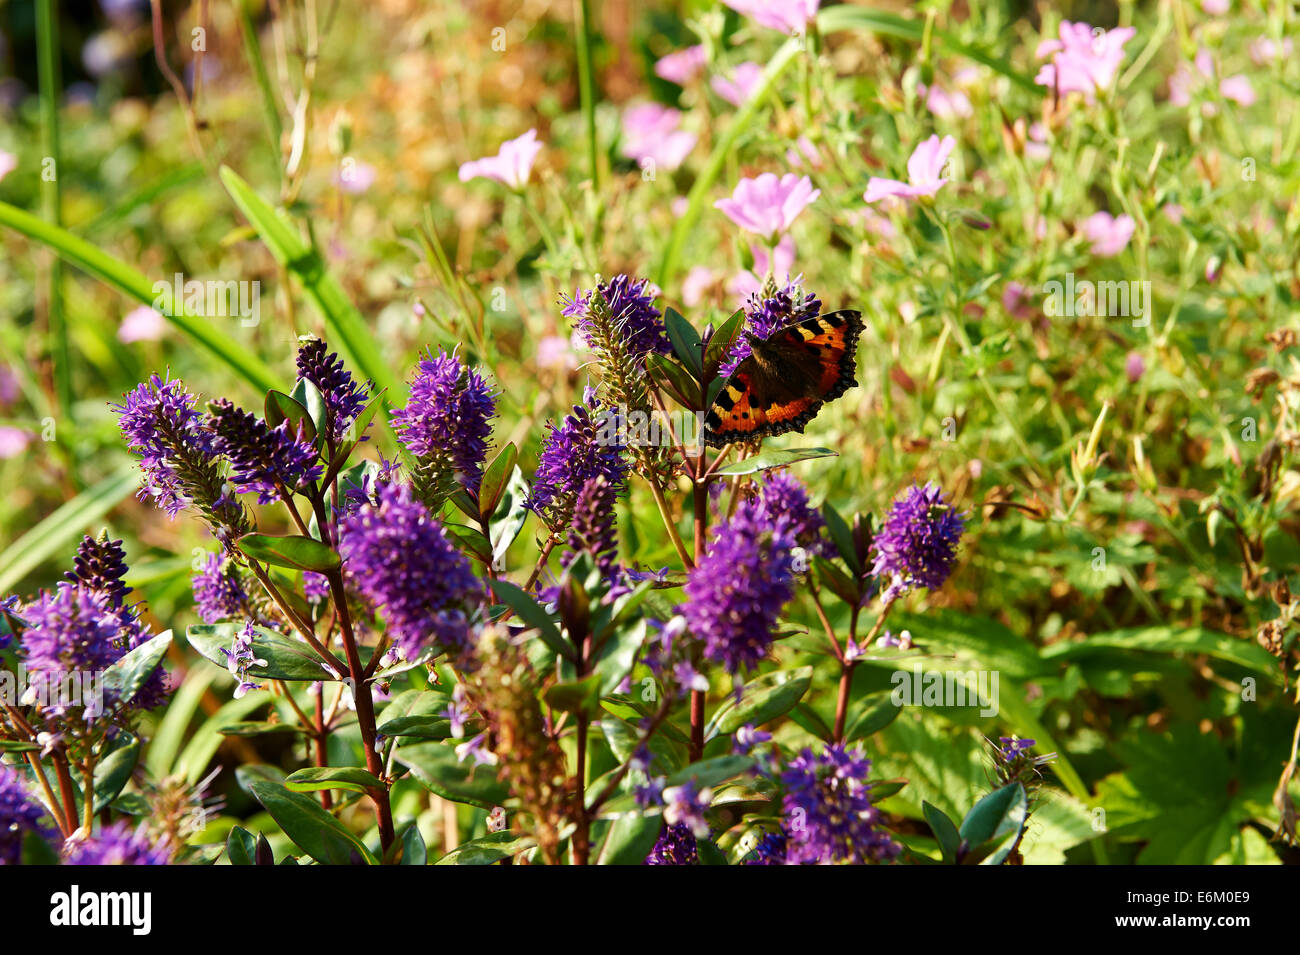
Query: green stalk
[
  {"x": 271, "y": 112},
  {"x": 586, "y": 87},
  {"x": 47, "y": 69},
  {"x": 127, "y": 280}
]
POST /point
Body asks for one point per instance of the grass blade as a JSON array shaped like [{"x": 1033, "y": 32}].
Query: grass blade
[{"x": 127, "y": 280}]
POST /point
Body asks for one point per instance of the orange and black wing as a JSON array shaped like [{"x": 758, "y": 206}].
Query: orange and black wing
[{"x": 808, "y": 364}]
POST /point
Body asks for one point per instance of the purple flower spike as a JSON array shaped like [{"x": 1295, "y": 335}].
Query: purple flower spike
[
  {"x": 447, "y": 420},
  {"x": 264, "y": 459},
  {"x": 783, "y": 496},
  {"x": 400, "y": 559},
  {"x": 737, "y": 591},
  {"x": 917, "y": 545},
  {"x": 676, "y": 846},
  {"x": 574, "y": 452},
  {"x": 828, "y": 813},
  {"x": 119, "y": 844},
  {"x": 630, "y": 302},
  {"x": 344, "y": 398},
  {"x": 73, "y": 629},
  {"x": 19, "y": 815},
  {"x": 177, "y": 454},
  {"x": 218, "y": 594}
]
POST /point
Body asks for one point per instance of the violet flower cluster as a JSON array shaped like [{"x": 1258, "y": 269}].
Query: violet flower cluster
[
  {"x": 573, "y": 453},
  {"x": 399, "y": 558},
  {"x": 765, "y": 316},
  {"x": 20, "y": 814},
  {"x": 446, "y": 423},
  {"x": 917, "y": 544},
  {"x": 344, "y": 398},
  {"x": 829, "y": 817}
]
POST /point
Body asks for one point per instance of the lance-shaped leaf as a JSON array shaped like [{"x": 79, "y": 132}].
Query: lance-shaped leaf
[{"x": 296, "y": 551}]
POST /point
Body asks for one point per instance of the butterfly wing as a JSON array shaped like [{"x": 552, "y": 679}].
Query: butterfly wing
[{"x": 801, "y": 367}]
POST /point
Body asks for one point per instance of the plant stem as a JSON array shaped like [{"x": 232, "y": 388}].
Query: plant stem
[
  {"x": 586, "y": 87},
  {"x": 47, "y": 68},
  {"x": 365, "y": 709}
]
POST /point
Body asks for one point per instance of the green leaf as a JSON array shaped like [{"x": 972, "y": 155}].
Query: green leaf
[
  {"x": 875, "y": 713},
  {"x": 672, "y": 378},
  {"x": 775, "y": 459},
  {"x": 575, "y": 696},
  {"x": 1000, "y": 814},
  {"x": 470, "y": 540},
  {"x": 311, "y": 828},
  {"x": 259, "y": 728},
  {"x": 347, "y": 329},
  {"x": 113, "y": 772},
  {"x": 945, "y": 833},
  {"x": 842, "y": 536},
  {"x": 1177, "y": 641},
  {"x": 314, "y": 778},
  {"x": 685, "y": 341},
  {"x": 130, "y": 671},
  {"x": 417, "y": 713},
  {"x": 510, "y": 517},
  {"x": 710, "y": 772},
  {"x": 840, "y": 583},
  {"x": 308, "y": 396},
  {"x": 495, "y": 478},
  {"x": 528, "y": 611},
  {"x": 720, "y": 342},
  {"x": 241, "y": 847},
  {"x": 766, "y": 698},
  {"x": 117, "y": 274},
  {"x": 285, "y": 659},
  {"x": 488, "y": 849},
  {"x": 296, "y": 551},
  {"x": 438, "y": 768},
  {"x": 630, "y": 839},
  {"x": 414, "y": 851},
  {"x": 279, "y": 408}
]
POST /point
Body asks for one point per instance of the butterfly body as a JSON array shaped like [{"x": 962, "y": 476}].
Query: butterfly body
[{"x": 786, "y": 379}]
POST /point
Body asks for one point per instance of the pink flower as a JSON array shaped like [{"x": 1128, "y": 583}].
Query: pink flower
[
  {"x": 696, "y": 284},
  {"x": 788, "y": 16},
  {"x": 1018, "y": 301},
  {"x": 1109, "y": 235},
  {"x": 1238, "y": 89},
  {"x": 355, "y": 177},
  {"x": 511, "y": 165},
  {"x": 924, "y": 170},
  {"x": 1264, "y": 51},
  {"x": 650, "y": 135},
  {"x": 1082, "y": 61},
  {"x": 740, "y": 86},
  {"x": 683, "y": 66},
  {"x": 944, "y": 105},
  {"x": 1134, "y": 366},
  {"x": 556, "y": 352},
  {"x": 8, "y": 163},
  {"x": 1216, "y": 8},
  {"x": 767, "y": 205},
  {"x": 13, "y": 441},
  {"x": 141, "y": 324},
  {"x": 804, "y": 152},
  {"x": 8, "y": 386},
  {"x": 1173, "y": 212}
]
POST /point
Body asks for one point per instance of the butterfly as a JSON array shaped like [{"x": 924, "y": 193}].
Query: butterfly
[{"x": 786, "y": 379}]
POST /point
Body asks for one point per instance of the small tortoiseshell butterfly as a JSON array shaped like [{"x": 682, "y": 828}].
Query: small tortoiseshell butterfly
[{"x": 786, "y": 379}]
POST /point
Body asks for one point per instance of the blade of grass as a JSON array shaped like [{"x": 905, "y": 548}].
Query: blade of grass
[
  {"x": 347, "y": 328},
  {"x": 270, "y": 111},
  {"x": 141, "y": 197},
  {"x": 47, "y": 69},
  {"x": 721, "y": 151},
  {"x": 586, "y": 87},
  {"x": 55, "y": 534},
  {"x": 127, "y": 280}
]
